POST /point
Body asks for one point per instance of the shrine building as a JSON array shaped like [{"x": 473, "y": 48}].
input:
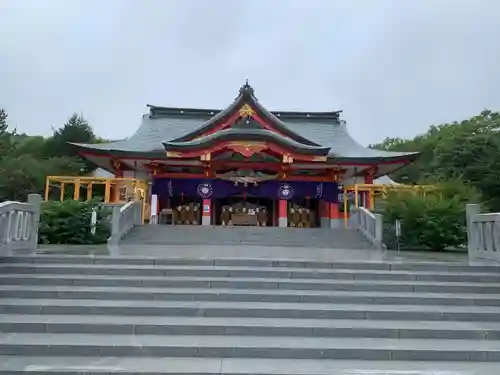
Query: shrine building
[{"x": 244, "y": 165}]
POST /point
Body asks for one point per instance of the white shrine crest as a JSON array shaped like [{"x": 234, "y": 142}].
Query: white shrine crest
[
  {"x": 285, "y": 191},
  {"x": 205, "y": 190}
]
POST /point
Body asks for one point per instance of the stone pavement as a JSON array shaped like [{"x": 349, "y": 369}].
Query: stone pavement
[
  {"x": 277, "y": 252},
  {"x": 247, "y": 236},
  {"x": 236, "y": 366},
  {"x": 256, "y": 251},
  {"x": 247, "y": 310}
]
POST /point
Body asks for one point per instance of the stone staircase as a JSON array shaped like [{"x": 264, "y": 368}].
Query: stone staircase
[
  {"x": 263, "y": 236},
  {"x": 139, "y": 315}
]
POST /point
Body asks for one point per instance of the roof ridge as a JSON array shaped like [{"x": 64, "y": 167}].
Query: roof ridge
[{"x": 162, "y": 111}]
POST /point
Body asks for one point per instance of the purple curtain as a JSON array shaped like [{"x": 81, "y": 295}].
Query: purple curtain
[{"x": 217, "y": 189}]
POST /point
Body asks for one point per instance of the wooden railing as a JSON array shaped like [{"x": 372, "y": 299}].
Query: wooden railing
[
  {"x": 123, "y": 219},
  {"x": 483, "y": 234},
  {"x": 19, "y": 224},
  {"x": 370, "y": 225}
]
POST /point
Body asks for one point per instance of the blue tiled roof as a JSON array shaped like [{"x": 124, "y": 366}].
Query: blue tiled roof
[{"x": 153, "y": 131}]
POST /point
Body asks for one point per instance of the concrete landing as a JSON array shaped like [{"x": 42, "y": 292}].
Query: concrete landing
[{"x": 11, "y": 365}]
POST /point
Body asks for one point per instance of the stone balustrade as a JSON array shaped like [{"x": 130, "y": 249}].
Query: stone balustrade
[
  {"x": 123, "y": 219},
  {"x": 483, "y": 234},
  {"x": 370, "y": 225},
  {"x": 19, "y": 224}
]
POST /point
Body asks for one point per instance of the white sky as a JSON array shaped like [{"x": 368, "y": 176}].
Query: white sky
[{"x": 395, "y": 67}]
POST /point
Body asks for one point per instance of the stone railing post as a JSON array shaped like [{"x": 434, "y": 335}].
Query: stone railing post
[
  {"x": 379, "y": 229},
  {"x": 483, "y": 234},
  {"x": 19, "y": 224},
  {"x": 115, "y": 225},
  {"x": 370, "y": 225},
  {"x": 138, "y": 214},
  {"x": 123, "y": 219},
  {"x": 471, "y": 210},
  {"x": 35, "y": 200}
]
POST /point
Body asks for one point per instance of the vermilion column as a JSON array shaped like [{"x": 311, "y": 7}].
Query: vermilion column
[
  {"x": 282, "y": 213},
  {"x": 324, "y": 214},
  {"x": 207, "y": 212},
  {"x": 335, "y": 219}
]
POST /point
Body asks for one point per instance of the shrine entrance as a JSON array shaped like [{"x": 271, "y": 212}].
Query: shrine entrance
[
  {"x": 245, "y": 211},
  {"x": 263, "y": 212}
]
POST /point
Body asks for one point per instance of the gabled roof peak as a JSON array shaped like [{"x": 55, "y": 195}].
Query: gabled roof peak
[{"x": 246, "y": 89}]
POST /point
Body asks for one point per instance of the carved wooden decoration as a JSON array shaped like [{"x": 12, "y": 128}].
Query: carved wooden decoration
[
  {"x": 174, "y": 154},
  {"x": 206, "y": 157},
  {"x": 116, "y": 164},
  {"x": 247, "y": 149}
]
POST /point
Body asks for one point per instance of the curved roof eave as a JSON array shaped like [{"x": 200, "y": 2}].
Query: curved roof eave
[
  {"x": 400, "y": 157},
  {"x": 246, "y": 134},
  {"x": 104, "y": 150},
  {"x": 337, "y": 137}
]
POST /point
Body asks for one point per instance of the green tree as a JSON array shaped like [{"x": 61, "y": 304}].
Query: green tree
[
  {"x": 25, "y": 160},
  {"x": 28, "y": 145},
  {"x": 25, "y": 174},
  {"x": 75, "y": 130},
  {"x": 434, "y": 220},
  {"x": 467, "y": 152},
  {"x": 69, "y": 222},
  {"x": 5, "y": 135}
]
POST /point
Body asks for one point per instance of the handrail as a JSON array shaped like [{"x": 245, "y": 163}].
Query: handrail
[
  {"x": 483, "y": 234},
  {"x": 370, "y": 225},
  {"x": 123, "y": 219},
  {"x": 19, "y": 224}
]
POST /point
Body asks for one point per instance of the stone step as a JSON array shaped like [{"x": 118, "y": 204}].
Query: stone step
[
  {"x": 249, "y": 309},
  {"x": 250, "y": 283},
  {"x": 245, "y": 272},
  {"x": 246, "y": 295},
  {"x": 266, "y": 236},
  {"x": 103, "y": 313},
  {"x": 252, "y": 262},
  {"x": 159, "y": 325},
  {"x": 108, "y": 345},
  {"x": 89, "y": 365}
]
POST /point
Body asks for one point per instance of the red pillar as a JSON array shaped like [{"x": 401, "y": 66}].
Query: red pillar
[
  {"x": 206, "y": 218},
  {"x": 335, "y": 219},
  {"x": 324, "y": 214},
  {"x": 282, "y": 213}
]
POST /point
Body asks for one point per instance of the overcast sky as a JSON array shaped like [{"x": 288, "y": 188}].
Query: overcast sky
[{"x": 394, "y": 66}]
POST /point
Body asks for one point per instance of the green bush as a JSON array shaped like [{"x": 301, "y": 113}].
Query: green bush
[
  {"x": 68, "y": 222},
  {"x": 434, "y": 221}
]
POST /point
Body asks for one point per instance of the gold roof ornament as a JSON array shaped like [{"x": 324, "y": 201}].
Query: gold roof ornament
[{"x": 246, "y": 111}]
